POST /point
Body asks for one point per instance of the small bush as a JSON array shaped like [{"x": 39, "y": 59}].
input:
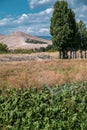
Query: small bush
[
  {"x": 50, "y": 48},
  {"x": 3, "y": 48}
]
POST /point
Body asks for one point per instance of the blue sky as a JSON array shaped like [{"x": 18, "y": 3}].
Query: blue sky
[{"x": 33, "y": 16}]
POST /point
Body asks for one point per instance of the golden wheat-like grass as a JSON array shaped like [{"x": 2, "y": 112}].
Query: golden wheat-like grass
[{"x": 39, "y": 72}]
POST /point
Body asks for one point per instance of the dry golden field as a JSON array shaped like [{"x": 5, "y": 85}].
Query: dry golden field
[{"x": 36, "y": 73}]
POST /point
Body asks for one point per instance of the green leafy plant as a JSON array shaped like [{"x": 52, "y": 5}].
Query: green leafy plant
[{"x": 62, "y": 108}]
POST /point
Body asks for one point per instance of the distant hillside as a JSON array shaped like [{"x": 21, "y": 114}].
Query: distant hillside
[
  {"x": 22, "y": 40},
  {"x": 1, "y": 36}
]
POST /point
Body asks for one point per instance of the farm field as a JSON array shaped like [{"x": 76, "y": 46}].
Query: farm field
[
  {"x": 62, "y": 108},
  {"x": 42, "y": 92},
  {"x": 43, "y": 65},
  {"x": 37, "y": 72}
]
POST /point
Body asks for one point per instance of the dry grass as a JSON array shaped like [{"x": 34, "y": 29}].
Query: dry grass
[{"x": 36, "y": 73}]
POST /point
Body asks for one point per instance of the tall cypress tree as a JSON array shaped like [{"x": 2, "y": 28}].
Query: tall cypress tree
[
  {"x": 63, "y": 27},
  {"x": 82, "y": 31}
]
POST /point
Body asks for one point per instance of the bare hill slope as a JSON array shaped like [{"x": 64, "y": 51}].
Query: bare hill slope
[
  {"x": 18, "y": 40},
  {"x": 1, "y": 36}
]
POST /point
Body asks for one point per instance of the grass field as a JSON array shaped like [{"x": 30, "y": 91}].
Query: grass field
[
  {"x": 39, "y": 72},
  {"x": 59, "y": 104}
]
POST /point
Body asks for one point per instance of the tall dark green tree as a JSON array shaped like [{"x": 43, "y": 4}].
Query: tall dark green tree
[
  {"x": 82, "y": 31},
  {"x": 82, "y": 34},
  {"x": 63, "y": 28}
]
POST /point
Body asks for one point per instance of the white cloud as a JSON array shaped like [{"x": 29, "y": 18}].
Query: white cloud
[
  {"x": 5, "y": 21},
  {"x": 35, "y": 3},
  {"x": 24, "y": 16},
  {"x": 84, "y": 8},
  {"x": 80, "y": 13},
  {"x": 81, "y": 9},
  {"x": 71, "y": 2},
  {"x": 47, "y": 11},
  {"x": 43, "y": 1},
  {"x": 44, "y": 30},
  {"x": 32, "y": 3},
  {"x": 39, "y": 23},
  {"x": 21, "y": 19},
  {"x": 36, "y": 18},
  {"x": 34, "y": 23},
  {"x": 30, "y": 30}
]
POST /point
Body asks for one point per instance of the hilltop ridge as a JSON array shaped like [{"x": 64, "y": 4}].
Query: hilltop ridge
[{"x": 18, "y": 39}]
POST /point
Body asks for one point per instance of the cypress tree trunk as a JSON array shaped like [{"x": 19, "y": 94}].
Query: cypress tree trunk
[
  {"x": 75, "y": 54},
  {"x": 70, "y": 54},
  {"x": 81, "y": 54},
  {"x": 64, "y": 54},
  {"x": 60, "y": 55},
  {"x": 85, "y": 53}
]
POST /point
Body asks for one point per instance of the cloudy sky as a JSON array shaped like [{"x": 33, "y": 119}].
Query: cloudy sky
[{"x": 33, "y": 16}]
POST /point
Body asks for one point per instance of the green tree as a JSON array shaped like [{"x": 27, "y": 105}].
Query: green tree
[
  {"x": 82, "y": 31},
  {"x": 63, "y": 28},
  {"x": 3, "y": 47}
]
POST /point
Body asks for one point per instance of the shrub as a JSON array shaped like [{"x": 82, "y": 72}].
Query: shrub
[
  {"x": 3, "y": 47},
  {"x": 50, "y": 48},
  {"x": 22, "y": 51}
]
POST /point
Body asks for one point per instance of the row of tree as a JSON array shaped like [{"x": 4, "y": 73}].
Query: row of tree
[{"x": 68, "y": 36}]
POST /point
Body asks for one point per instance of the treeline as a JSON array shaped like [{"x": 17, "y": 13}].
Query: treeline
[
  {"x": 68, "y": 36},
  {"x": 35, "y": 41},
  {"x": 4, "y": 49}
]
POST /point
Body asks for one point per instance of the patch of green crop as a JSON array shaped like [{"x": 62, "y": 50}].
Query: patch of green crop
[{"x": 57, "y": 108}]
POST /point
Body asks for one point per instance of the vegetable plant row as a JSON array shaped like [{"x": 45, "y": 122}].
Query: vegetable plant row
[{"x": 57, "y": 108}]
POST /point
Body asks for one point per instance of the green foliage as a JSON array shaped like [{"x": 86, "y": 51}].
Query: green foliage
[
  {"x": 63, "y": 26},
  {"x": 35, "y": 41},
  {"x": 27, "y": 51},
  {"x": 57, "y": 108},
  {"x": 3, "y": 48},
  {"x": 82, "y": 31},
  {"x": 50, "y": 48},
  {"x": 22, "y": 51}
]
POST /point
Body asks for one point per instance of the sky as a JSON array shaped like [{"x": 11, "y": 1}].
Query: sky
[{"x": 33, "y": 16}]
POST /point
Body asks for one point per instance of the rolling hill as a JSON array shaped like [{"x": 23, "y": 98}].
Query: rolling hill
[{"x": 18, "y": 39}]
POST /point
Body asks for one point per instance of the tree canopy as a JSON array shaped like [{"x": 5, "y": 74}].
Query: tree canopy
[
  {"x": 3, "y": 47},
  {"x": 67, "y": 35},
  {"x": 82, "y": 31}
]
